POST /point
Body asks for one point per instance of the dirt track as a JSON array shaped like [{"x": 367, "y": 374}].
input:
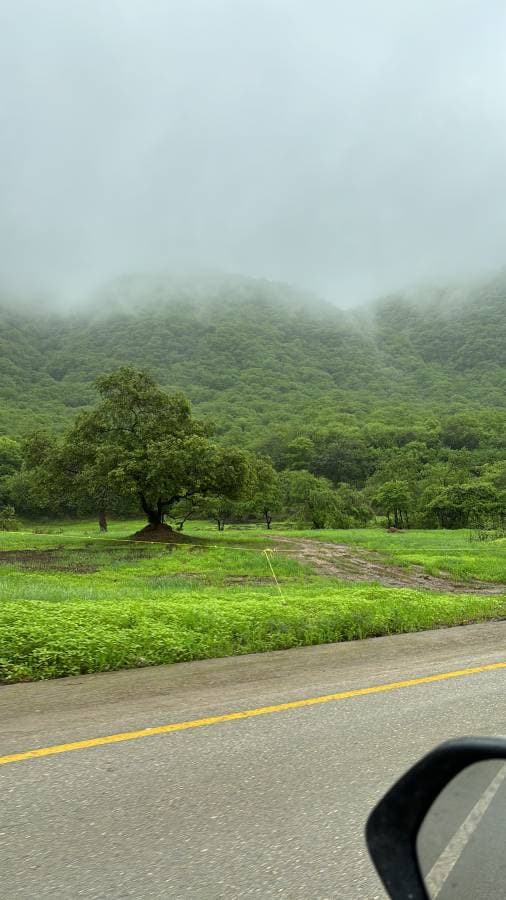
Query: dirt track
[{"x": 356, "y": 564}]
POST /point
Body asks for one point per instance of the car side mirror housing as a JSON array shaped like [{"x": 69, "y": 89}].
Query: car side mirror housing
[{"x": 440, "y": 832}]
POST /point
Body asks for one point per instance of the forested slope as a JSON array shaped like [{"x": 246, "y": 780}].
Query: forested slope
[{"x": 259, "y": 358}]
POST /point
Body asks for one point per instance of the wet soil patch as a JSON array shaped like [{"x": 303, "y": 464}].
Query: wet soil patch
[
  {"x": 46, "y": 561},
  {"x": 353, "y": 564}
]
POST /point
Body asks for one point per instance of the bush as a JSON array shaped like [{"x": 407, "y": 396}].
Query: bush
[{"x": 8, "y": 521}]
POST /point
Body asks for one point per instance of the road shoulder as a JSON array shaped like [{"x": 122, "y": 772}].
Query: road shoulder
[{"x": 69, "y": 709}]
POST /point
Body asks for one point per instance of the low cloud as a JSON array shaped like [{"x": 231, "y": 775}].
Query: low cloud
[{"x": 349, "y": 149}]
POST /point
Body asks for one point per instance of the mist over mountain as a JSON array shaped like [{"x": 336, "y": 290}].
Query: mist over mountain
[
  {"x": 346, "y": 148},
  {"x": 253, "y": 355}
]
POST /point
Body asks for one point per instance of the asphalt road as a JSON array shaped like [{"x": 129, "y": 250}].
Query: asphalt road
[
  {"x": 266, "y": 806},
  {"x": 480, "y": 870},
  {"x": 461, "y": 843}
]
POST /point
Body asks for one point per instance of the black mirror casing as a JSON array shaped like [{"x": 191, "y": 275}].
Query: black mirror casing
[{"x": 394, "y": 823}]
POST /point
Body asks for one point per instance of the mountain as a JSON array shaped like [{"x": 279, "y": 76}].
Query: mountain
[{"x": 258, "y": 357}]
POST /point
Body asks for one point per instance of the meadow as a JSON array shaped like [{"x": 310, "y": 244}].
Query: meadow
[{"x": 73, "y": 601}]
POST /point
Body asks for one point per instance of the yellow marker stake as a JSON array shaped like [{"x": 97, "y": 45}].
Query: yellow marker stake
[{"x": 266, "y": 554}]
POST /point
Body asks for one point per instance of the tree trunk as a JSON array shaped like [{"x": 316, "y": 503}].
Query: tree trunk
[
  {"x": 153, "y": 513},
  {"x": 102, "y": 520},
  {"x": 154, "y": 517}
]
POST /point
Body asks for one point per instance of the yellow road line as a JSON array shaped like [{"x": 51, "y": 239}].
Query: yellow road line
[{"x": 244, "y": 714}]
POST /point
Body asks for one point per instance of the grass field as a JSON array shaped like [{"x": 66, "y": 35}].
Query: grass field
[{"x": 73, "y": 602}]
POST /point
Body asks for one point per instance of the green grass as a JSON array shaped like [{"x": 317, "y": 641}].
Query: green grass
[
  {"x": 53, "y": 637},
  {"x": 77, "y": 605}
]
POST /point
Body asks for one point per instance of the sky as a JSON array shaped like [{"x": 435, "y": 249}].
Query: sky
[{"x": 349, "y": 148}]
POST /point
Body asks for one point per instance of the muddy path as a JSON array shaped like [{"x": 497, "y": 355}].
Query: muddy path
[{"x": 357, "y": 564}]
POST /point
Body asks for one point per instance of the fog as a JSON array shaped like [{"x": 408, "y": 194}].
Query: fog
[{"x": 348, "y": 148}]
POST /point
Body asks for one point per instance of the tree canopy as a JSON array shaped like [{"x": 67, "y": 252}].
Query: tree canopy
[{"x": 138, "y": 444}]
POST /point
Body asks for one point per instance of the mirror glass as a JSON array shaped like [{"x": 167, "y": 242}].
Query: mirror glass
[{"x": 461, "y": 845}]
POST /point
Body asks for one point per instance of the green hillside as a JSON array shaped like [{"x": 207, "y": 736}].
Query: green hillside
[{"x": 258, "y": 357}]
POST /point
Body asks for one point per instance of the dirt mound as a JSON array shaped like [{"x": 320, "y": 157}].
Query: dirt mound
[{"x": 162, "y": 534}]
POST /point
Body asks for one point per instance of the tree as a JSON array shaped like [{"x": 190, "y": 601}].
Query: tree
[
  {"x": 141, "y": 444},
  {"x": 312, "y": 499},
  {"x": 342, "y": 457},
  {"x": 299, "y": 453},
  {"x": 354, "y": 504},
  {"x": 8, "y": 520},
  {"x": 459, "y": 505},
  {"x": 30, "y": 488},
  {"x": 10, "y": 456},
  {"x": 220, "y": 509},
  {"x": 267, "y": 496},
  {"x": 464, "y": 431},
  {"x": 393, "y": 499},
  {"x": 10, "y": 463},
  {"x": 495, "y": 473}
]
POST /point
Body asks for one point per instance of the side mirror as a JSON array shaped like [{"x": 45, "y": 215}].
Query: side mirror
[{"x": 440, "y": 831}]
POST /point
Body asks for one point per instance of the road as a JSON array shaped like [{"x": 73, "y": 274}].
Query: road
[
  {"x": 461, "y": 843},
  {"x": 270, "y": 805}
]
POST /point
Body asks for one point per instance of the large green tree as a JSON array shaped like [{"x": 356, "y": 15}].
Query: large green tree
[
  {"x": 141, "y": 445},
  {"x": 393, "y": 499},
  {"x": 473, "y": 503},
  {"x": 266, "y": 496},
  {"x": 312, "y": 500}
]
